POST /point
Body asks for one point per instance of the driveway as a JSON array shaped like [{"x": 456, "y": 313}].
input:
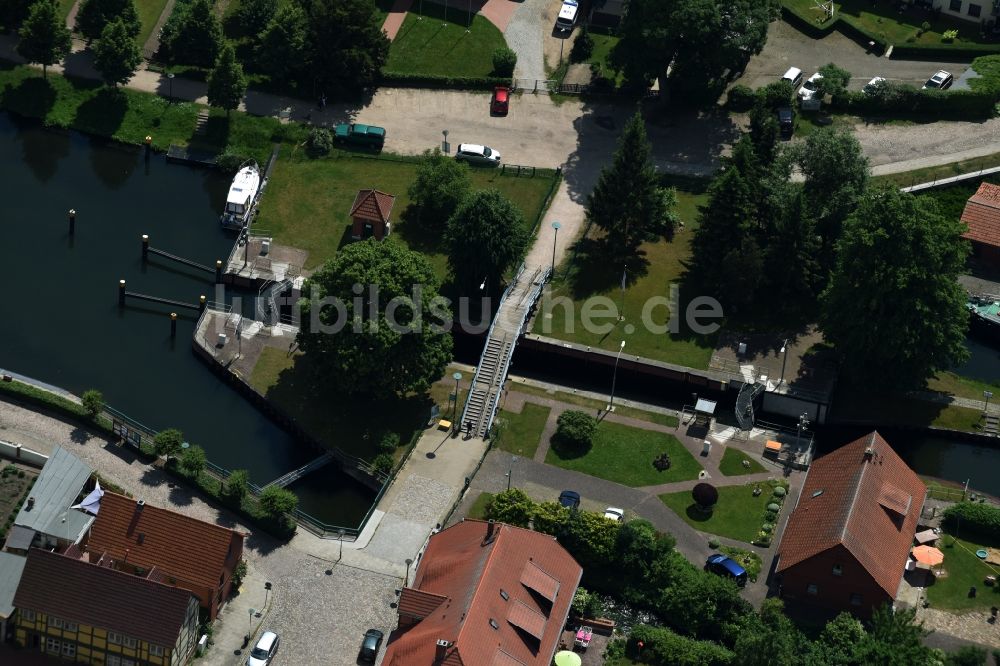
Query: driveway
[{"x": 787, "y": 47}]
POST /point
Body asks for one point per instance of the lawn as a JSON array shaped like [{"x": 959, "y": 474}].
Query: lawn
[
  {"x": 428, "y": 44},
  {"x": 588, "y": 275},
  {"x": 882, "y": 20},
  {"x": 149, "y": 14},
  {"x": 309, "y": 200},
  {"x": 932, "y": 173},
  {"x": 895, "y": 409},
  {"x": 732, "y": 463},
  {"x": 965, "y": 570},
  {"x": 625, "y": 455},
  {"x": 582, "y": 401},
  {"x": 523, "y": 431},
  {"x": 478, "y": 508},
  {"x": 355, "y": 425},
  {"x": 738, "y": 514},
  {"x": 963, "y": 387}
]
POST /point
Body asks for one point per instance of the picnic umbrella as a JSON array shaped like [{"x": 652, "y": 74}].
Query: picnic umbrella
[
  {"x": 568, "y": 658},
  {"x": 928, "y": 555}
]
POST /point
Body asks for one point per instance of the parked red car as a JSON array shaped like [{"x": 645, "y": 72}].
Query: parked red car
[{"x": 501, "y": 101}]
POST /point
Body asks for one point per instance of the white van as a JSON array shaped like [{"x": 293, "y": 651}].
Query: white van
[
  {"x": 567, "y": 15},
  {"x": 793, "y": 76}
]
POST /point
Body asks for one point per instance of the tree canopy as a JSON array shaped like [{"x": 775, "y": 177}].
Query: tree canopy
[
  {"x": 347, "y": 47},
  {"x": 486, "y": 236},
  {"x": 441, "y": 184},
  {"x": 193, "y": 35},
  {"x": 44, "y": 38},
  {"x": 373, "y": 322},
  {"x": 116, "y": 55},
  {"x": 894, "y": 309},
  {"x": 226, "y": 82},
  {"x": 282, "y": 46},
  {"x": 95, "y": 15}
]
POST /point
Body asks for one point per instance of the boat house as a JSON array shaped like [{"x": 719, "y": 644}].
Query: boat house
[{"x": 370, "y": 215}]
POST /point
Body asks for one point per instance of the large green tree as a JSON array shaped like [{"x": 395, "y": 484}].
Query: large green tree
[
  {"x": 44, "y": 38},
  {"x": 283, "y": 43},
  {"x": 486, "y": 236},
  {"x": 895, "y": 639},
  {"x": 347, "y": 46},
  {"x": 768, "y": 638},
  {"x": 226, "y": 82},
  {"x": 441, "y": 184},
  {"x": 894, "y": 308},
  {"x": 254, "y": 15},
  {"x": 116, "y": 55},
  {"x": 373, "y": 322},
  {"x": 628, "y": 204},
  {"x": 95, "y": 15},
  {"x": 794, "y": 245},
  {"x": 193, "y": 34}
]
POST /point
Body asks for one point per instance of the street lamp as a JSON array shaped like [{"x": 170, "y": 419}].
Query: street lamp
[
  {"x": 784, "y": 350},
  {"x": 510, "y": 470},
  {"x": 340, "y": 551},
  {"x": 457, "y": 377},
  {"x": 987, "y": 395},
  {"x": 555, "y": 239},
  {"x": 407, "y": 579},
  {"x": 614, "y": 378},
  {"x": 170, "y": 83},
  {"x": 445, "y": 147},
  {"x": 267, "y": 590},
  {"x": 250, "y": 630}
]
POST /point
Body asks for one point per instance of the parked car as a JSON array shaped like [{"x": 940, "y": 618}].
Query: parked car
[
  {"x": 723, "y": 566},
  {"x": 786, "y": 122},
  {"x": 370, "y": 645},
  {"x": 873, "y": 86},
  {"x": 500, "y": 104},
  {"x": 263, "y": 652},
  {"x": 569, "y": 499},
  {"x": 809, "y": 88},
  {"x": 941, "y": 80},
  {"x": 473, "y": 153},
  {"x": 360, "y": 135},
  {"x": 614, "y": 514},
  {"x": 568, "y": 14},
  {"x": 793, "y": 76}
]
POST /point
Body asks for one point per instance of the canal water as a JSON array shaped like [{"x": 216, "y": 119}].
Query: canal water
[{"x": 60, "y": 321}]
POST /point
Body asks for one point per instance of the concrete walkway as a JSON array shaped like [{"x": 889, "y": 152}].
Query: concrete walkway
[
  {"x": 394, "y": 20},
  {"x": 956, "y": 401}
]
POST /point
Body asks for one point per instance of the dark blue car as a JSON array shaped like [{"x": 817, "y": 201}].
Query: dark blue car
[{"x": 723, "y": 566}]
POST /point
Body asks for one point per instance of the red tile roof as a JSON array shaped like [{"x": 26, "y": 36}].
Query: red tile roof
[
  {"x": 180, "y": 546},
  {"x": 506, "y": 598},
  {"x": 870, "y": 504},
  {"x": 373, "y": 205},
  {"x": 982, "y": 215},
  {"x": 113, "y": 600}
]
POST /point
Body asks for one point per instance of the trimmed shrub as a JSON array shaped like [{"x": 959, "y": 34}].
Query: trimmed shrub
[
  {"x": 780, "y": 491},
  {"x": 168, "y": 442},
  {"x": 896, "y": 100},
  {"x": 777, "y": 94},
  {"x": 388, "y": 442},
  {"x": 713, "y": 543},
  {"x": 705, "y": 495},
  {"x": 405, "y": 79},
  {"x": 320, "y": 142},
  {"x": 773, "y": 507},
  {"x": 504, "y": 61},
  {"x": 983, "y": 519},
  {"x": 93, "y": 402},
  {"x": 575, "y": 431},
  {"x": 662, "y": 646},
  {"x": 741, "y": 98}
]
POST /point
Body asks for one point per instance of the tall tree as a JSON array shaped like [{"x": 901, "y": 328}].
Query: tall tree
[
  {"x": 485, "y": 237},
  {"x": 95, "y": 15},
  {"x": 843, "y": 642},
  {"x": 254, "y": 15},
  {"x": 44, "y": 37},
  {"x": 628, "y": 203},
  {"x": 896, "y": 640},
  {"x": 193, "y": 34},
  {"x": 764, "y": 133},
  {"x": 768, "y": 638},
  {"x": 647, "y": 41},
  {"x": 347, "y": 46},
  {"x": 116, "y": 55},
  {"x": 794, "y": 244},
  {"x": 835, "y": 80},
  {"x": 373, "y": 322},
  {"x": 282, "y": 46},
  {"x": 894, "y": 308},
  {"x": 226, "y": 82},
  {"x": 441, "y": 184}
]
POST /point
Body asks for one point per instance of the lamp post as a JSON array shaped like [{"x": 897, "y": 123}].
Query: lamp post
[
  {"x": 457, "y": 377},
  {"x": 445, "y": 148},
  {"x": 510, "y": 470},
  {"x": 170, "y": 86},
  {"x": 987, "y": 395},
  {"x": 784, "y": 350},
  {"x": 250, "y": 630},
  {"x": 407, "y": 579},
  {"x": 340, "y": 551},
  {"x": 267, "y": 590},
  {"x": 614, "y": 379},
  {"x": 555, "y": 239}
]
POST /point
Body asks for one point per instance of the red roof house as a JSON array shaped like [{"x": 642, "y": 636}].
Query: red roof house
[
  {"x": 982, "y": 216},
  {"x": 485, "y": 594},
  {"x": 167, "y": 546},
  {"x": 848, "y": 539},
  {"x": 370, "y": 214}
]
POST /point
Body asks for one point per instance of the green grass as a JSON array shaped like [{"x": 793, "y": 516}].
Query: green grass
[
  {"x": 589, "y": 275},
  {"x": 523, "y": 431},
  {"x": 738, "y": 514},
  {"x": 882, "y": 20},
  {"x": 478, "y": 508},
  {"x": 149, "y": 14},
  {"x": 932, "y": 173},
  {"x": 963, "y": 387},
  {"x": 66, "y": 5},
  {"x": 896, "y": 409},
  {"x": 309, "y": 200},
  {"x": 732, "y": 463},
  {"x": 625, "y": 455},
  {"x": 353, "y": 425},
  {"x": 582, "y": 401},
  {"x": 964, "y": 571},
  {"x": 435, "y": 47}
]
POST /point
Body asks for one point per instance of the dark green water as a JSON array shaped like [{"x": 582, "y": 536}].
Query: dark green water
[{"x": 60, "y": 322}]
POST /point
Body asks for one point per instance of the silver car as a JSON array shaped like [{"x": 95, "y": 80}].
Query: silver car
[{"x": 473, "y": 153}]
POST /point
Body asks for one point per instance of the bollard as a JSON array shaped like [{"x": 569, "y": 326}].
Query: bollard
[
  {"x": 173, "y": 324},
  {"x": 145, "y": 247},
  {"x": 72, "y": 221},
  {"x": 201, "y": 303},
  {"x": 218, "y": 271},
  {"x": 149, "y": 145},
  {"x": 121, "y": 293}
]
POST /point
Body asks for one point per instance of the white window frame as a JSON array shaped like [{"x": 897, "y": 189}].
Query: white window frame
[
  {"x": 27, "y": 615},
  {"x": 128, "y": 662},
  {"x": 114, "y": 639},
  {"x": 129, "y": 642},
  {"x": 156, "y": 650},
  {"x": 53, "y": 645},
  {"x": 68, "y": 649},
  {"x": 55, "y": 622},
  {"x": 71, "y": 626},
  {"x": 113, "y": 660}
]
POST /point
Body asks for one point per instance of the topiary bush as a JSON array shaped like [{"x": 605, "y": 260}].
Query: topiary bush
[
  {"x": 773, "y": 507},
  {"x": 705, "y": 495},
  {"x": 320, "y": 142},
  {"x": 780, "y": 491},
  {"x": 713, "y": 543},
  {"x": 769, "y": 516},
  {"x": 504, "y": 61}
]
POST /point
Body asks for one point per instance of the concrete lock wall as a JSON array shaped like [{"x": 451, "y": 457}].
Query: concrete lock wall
[
  {"x": 20, "y": 454},
  {"x": 785, "y": 405}
]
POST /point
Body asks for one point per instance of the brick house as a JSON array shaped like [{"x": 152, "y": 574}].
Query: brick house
[
  {"x": 370, "y": 215},
  {"x": 847, "y": 541},
  {"x": 83, "y": 612},
  {"x": 177, "y": 549},
  {"x": 982, "y": 217},
  {"x": 485, "y": 594}
]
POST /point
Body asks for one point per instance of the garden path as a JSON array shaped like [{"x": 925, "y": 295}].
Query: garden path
[{"x": 395, "y": 18}]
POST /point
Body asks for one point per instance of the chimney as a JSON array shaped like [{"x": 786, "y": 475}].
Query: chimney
[
  {"x": 139, "y": 504},
  {"x": 869, "y": 453},
  {"x": 441, "y": 648},
  {"x": 490, "y": 527},
  {"x": 31, "y": 504}
]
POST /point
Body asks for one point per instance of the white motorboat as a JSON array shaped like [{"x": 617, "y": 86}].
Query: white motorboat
[{"x": 239, "y": 202}]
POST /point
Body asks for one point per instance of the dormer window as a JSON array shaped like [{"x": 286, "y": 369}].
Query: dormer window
[
  {"x": 503, "y": 593},
  {"x": 493, "y": 623}
]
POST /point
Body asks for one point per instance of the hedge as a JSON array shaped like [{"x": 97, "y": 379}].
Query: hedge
[
  {"x": 983, "y": 519},
  {"x": 943, "y": 52},
  {"x": 406, "y": 80},
  {"x": 908, "y": 101},
  {"x": 663, "y": 647}
]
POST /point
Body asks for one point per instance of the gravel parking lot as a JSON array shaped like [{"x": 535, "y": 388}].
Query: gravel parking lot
[{"x": 787, "y": 47}]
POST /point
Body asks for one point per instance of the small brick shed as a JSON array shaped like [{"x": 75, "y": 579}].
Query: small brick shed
[{"x": 370, "y": 214}]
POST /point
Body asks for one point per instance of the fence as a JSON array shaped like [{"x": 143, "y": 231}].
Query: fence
[{"x": 517, "y": 170}]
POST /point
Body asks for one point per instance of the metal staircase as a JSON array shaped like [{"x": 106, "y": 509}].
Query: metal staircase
[{"x": 744, "y": 403}]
